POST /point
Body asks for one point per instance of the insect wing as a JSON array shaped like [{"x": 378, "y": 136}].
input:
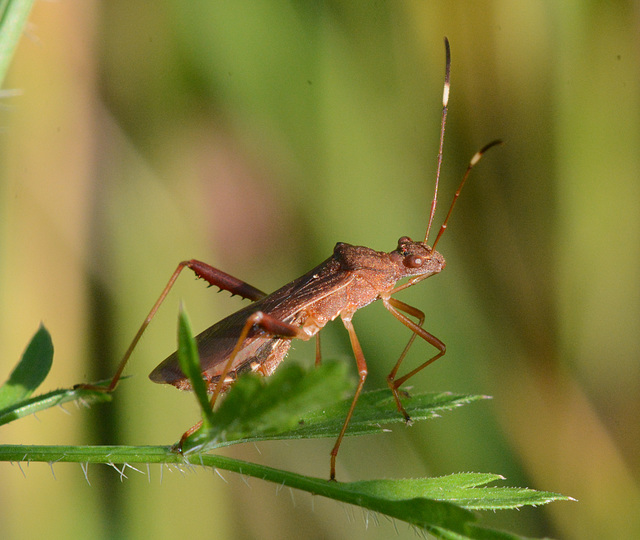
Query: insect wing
[{"x": 259, "y": 349}]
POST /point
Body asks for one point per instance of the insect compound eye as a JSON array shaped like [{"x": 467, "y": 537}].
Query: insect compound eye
[{"x": 413, "y": 261}]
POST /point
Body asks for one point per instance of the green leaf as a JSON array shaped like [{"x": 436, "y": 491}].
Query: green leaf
[
  {"x": 31, "y": 371},
  {"x": 190, "y": 365},
  {"x": 328, "y": 422},
  {"x": 261, "y": 408},
  {"x": 277, "y": 404},
  {"x": 375, "y": 409},
  {"x": 463, "y": 488},
  {"x": 256, "y": 405}
]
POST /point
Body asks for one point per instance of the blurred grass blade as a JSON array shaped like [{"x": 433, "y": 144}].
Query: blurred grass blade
[
  {"x": 190, "y": 364},
  {"x": 30, "y": 372},
  {"x": 13, "y": 18}
]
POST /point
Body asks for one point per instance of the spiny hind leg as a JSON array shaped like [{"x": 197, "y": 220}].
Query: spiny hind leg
[{"x": 210, "y": 274}]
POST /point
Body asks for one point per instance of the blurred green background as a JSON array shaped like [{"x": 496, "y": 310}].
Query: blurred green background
[{"x": 254, "y": 136}]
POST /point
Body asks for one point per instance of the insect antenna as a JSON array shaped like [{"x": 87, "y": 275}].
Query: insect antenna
[
  {"x": 443, "y": 121},
  {"x": 474, "y": 160}
]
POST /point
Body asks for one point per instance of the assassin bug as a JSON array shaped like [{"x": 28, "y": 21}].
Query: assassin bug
[{"x": 257, "y": 337}]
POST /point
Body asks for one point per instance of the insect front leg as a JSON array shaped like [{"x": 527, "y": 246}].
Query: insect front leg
[
  {"x": 210, "y": 274},
  {"x": 395, "y": 306}
]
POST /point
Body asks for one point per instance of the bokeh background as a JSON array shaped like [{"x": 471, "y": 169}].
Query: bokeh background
[{"x": 256, "y": 135}]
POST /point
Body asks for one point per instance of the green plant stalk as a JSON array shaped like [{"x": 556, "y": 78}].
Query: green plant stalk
[
  {"x": 413, "y": 501},
  {"x": 163, "y": 454}
]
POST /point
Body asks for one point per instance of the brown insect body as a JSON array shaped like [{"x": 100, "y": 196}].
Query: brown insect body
[
  {"x": 353, "y": 277},
  {"x": 258, "y": 337}
]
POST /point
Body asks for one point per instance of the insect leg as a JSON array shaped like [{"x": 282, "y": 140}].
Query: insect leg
[
  {"x": 394, "y": 305},
  {"x": 362, "y": 372},
  {"x": 212, "y": 275},
  {"x": 318, "y": 351},
  {"x": 270, "y": 325},
  {"x": 221, "y": 279}
]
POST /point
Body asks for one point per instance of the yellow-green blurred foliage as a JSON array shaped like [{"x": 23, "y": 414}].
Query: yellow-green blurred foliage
[{"x": 255, "y": 135}]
